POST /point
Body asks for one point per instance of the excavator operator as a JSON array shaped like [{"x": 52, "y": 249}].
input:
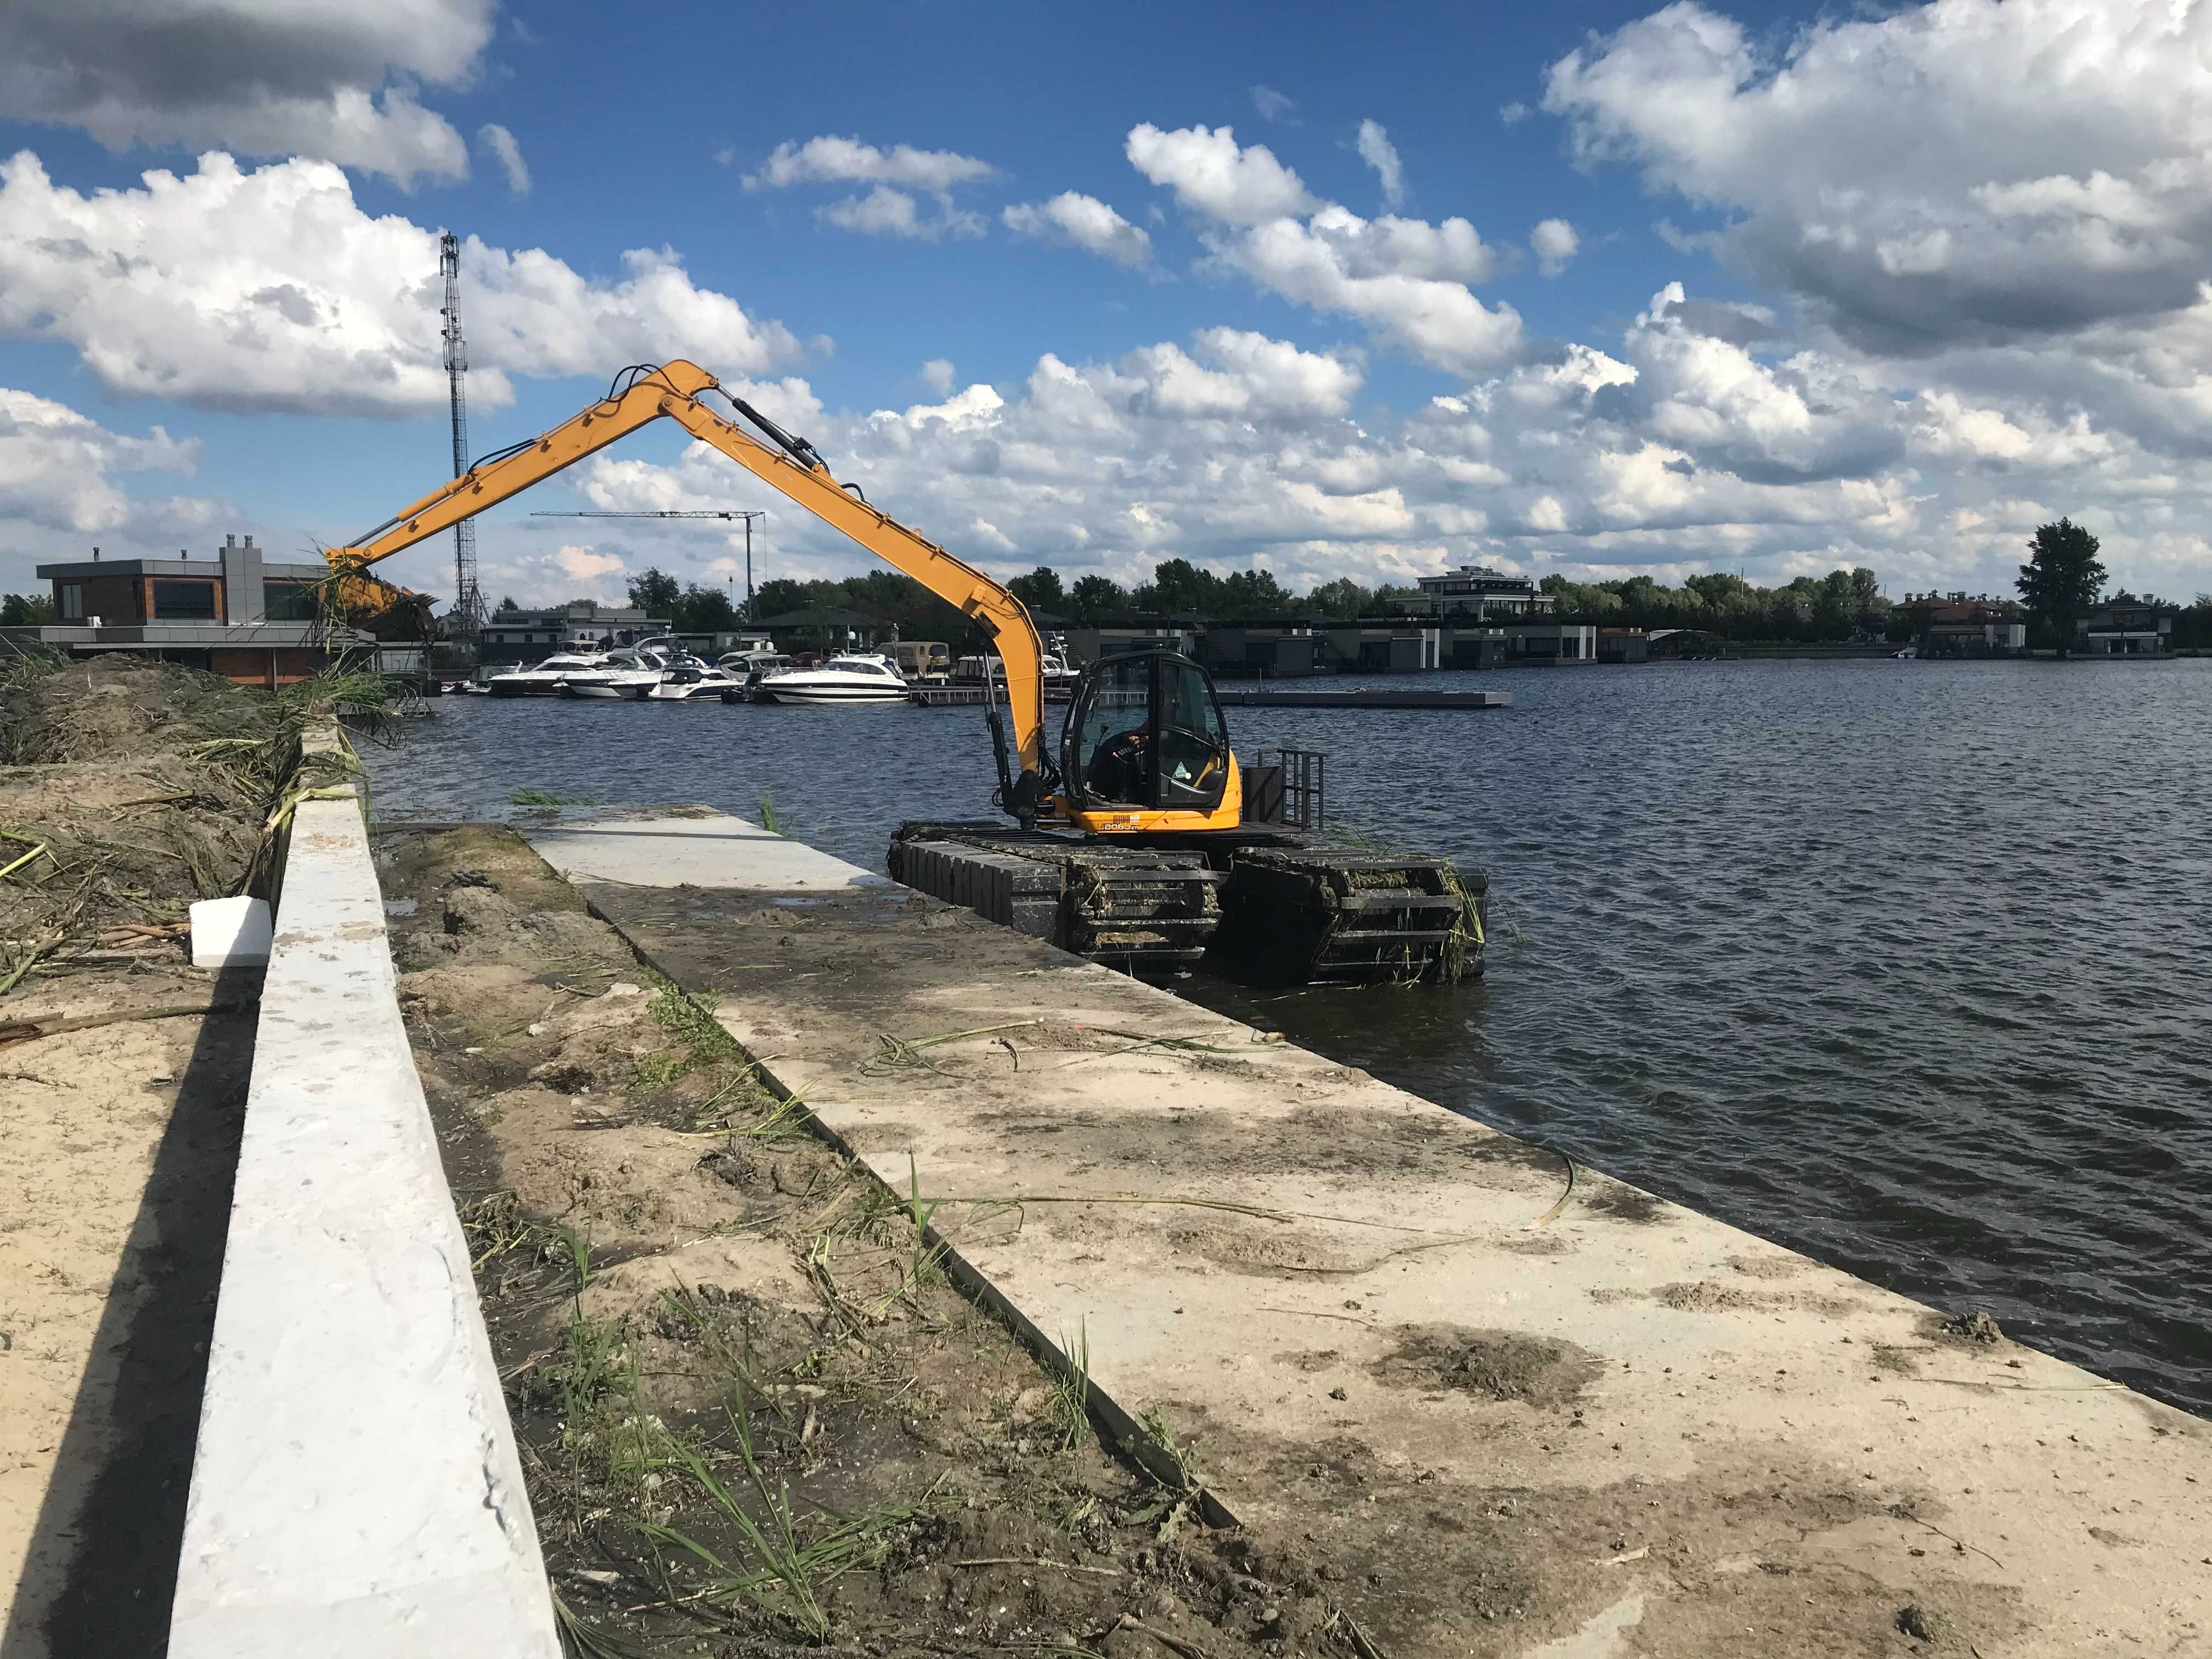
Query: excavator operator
[{"x": 1121, "y": 768}]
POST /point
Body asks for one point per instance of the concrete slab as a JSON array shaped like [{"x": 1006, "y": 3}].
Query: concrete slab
[
  {"x": 355, "y": 1490},
  {"x": 706, "y": 849},
  {"x": 1576, "y": 1418}
]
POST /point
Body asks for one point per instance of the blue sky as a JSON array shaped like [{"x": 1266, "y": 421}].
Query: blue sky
[{"x": 1910, "y": 320}]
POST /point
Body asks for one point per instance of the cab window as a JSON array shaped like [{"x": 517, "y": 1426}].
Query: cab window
[
  {"x": 1113, "y": 734},
  {"x": 1193, "y": 750}
]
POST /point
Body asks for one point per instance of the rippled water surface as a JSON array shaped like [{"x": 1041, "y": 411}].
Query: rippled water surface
[{"x": 1906, "y": 964}]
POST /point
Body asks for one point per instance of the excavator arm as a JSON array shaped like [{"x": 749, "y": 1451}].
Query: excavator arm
[{"x": 643, "y": 394}]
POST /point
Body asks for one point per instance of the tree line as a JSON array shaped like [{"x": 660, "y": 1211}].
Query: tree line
[
  {"x": 1842, "y": 605},
  {"x": 2062, "y": 579}
]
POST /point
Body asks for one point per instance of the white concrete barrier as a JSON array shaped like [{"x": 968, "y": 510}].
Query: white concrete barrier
[{"x": 355, "y": 1490}]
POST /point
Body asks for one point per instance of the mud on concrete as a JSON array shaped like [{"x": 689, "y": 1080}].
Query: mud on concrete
[{"x": 753, "y": 1413}]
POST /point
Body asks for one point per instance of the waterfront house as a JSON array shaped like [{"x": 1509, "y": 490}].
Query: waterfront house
[
  {"x": 1960, "y": 625},
  {"x": 514, "y": 636},
  {"x": 236, "y": 614},
  {"x": 2125, "y": 626},
  {"x": 1478, "y": 594}
]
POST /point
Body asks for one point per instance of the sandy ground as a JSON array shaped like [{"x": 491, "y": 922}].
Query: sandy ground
[
  {"x": 690, "y": 1295},
  {"x": 127, "y": 789},
  {"x": 117, "y": 1145}
]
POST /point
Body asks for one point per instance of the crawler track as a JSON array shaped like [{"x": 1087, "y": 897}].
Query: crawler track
[{"x": 1273, "y": 904}]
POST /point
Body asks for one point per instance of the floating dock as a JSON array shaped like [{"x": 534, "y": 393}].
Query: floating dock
[
  {"x": 1362, "y": 696},
  {"x": 1567, "y": 1417},
  {"x": 1239, "y": 697},
  {"x": 972, "y": 696}
]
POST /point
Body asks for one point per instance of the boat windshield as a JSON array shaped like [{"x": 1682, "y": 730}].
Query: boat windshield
[{"x": 859, "y": 666}]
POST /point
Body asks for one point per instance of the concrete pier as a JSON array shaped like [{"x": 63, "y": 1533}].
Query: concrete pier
[{"x": 1580, "y": 1421}]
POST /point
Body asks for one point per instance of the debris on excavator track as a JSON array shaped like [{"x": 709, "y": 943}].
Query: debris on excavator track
[
  {"x": 1275, "y": 904},
  {"x": 1145, "y": 911},
  {"x": 1353, "y": 915}
]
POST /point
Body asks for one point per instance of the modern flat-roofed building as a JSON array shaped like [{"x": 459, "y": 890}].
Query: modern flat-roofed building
[
  {"x": 2125, "y": 626},
  {"x": 1476, "y": 592},
  {"x": 236, "y": 614}
]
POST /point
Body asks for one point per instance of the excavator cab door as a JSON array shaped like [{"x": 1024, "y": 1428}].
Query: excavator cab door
[{"x": 1145, "y": 732}]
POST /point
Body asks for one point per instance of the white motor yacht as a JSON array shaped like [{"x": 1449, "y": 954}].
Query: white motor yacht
[
  {"x": 623, "y": 674},
  {"x": 686, "y": 678},
  {"x": 859, "y": 678},
  {"x": 547, "y": 677}
]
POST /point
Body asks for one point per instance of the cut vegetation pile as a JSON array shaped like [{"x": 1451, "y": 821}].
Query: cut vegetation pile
[
  {"x": 128, "y": 790},
  {"x": 755, "y": 1417}
]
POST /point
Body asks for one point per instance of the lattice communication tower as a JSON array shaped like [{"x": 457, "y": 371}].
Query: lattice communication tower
[{"x": 468, "y": 597}]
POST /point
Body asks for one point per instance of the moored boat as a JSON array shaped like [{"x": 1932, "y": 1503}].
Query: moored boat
[
  {"x": 859, "y": 678},
  {"x": 546, "y": 678},
  {"x": 686, "y": 678}
]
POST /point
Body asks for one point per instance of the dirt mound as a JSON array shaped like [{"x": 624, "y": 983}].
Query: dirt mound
[{"x": 115, "y": 707}]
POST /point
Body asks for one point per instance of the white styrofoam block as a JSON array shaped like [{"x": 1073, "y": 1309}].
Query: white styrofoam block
[{"x": 230, "y": 933}]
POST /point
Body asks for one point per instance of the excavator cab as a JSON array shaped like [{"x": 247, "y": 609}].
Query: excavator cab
[{"x": 1145, "y": 734}]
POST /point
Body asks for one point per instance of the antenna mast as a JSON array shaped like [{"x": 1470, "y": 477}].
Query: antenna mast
[{"x": 468, "y": 597}]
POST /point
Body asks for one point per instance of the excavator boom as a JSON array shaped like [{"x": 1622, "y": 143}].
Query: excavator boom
[{"x": 643, "y": 394}]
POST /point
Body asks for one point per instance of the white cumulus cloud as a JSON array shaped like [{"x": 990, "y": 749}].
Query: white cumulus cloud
[
  {"x": 1964, "y": 170},
  {"x": 1212, "y": 173},
  {"x": 502, "y": 143},
  {"x": 1378, "y": 152},
  {"x": 1274, "y": 106},
  {"x": 1555, "y": 242},
  {"x": 831, "y": 160},
  {"x": 585, "y": 563},
  {"x": 1075, "y": 220},
  {"x": 887, "y": 212},
  {"x": 272, "y": 288},
  {"x": 258, "y": 78},
  {"x": 1406, "y": 279},
  {"x": 1681, "y": 448},
  {"x": 57, "y": 467}
]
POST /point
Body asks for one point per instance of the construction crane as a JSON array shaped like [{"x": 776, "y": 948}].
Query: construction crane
[
  {"x": 695, "y": 513},
  {"x": 1134, "y": 830},
  {"x": 468, "y": 599}
]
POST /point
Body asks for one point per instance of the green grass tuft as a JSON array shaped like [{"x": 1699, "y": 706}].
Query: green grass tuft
[
  {"x": 1070, "y": 1410},
  {"x": 778, "y": 1569}
]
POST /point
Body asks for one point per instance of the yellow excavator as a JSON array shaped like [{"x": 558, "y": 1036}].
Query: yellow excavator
[{"x": 1130, "y": 844}]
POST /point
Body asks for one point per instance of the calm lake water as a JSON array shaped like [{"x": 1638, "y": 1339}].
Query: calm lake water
[{"x": 1905, "y": 964}]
